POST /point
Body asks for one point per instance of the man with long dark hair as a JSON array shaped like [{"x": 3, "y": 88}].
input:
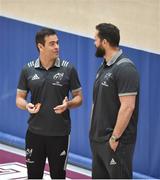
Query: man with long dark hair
[{"x": 115, "y": 108}]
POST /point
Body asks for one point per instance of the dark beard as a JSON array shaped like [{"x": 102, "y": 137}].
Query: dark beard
[{"x": 100, "y": 52}]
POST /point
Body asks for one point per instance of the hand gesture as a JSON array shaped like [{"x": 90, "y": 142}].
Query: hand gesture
[
  {"x": 33, "y": 109},
  {"x": 61, "y": 108}
]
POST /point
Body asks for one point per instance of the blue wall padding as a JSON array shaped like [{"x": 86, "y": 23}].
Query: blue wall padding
[{"x": 12, "y": 140}]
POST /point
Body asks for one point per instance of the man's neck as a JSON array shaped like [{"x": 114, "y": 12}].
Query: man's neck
[
  {"x": 47, "y": 63},
  {"x": 110, "y": 53}
]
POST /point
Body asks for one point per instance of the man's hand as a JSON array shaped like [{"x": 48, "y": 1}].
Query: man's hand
[
  {"x": 113, "y": 145},
  {"x": 61, "y": 108},
  {"x": 33, "y": 109}
]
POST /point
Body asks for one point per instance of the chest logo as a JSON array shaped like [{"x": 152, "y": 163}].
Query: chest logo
[
  {"x": 107, "y": 76},
  {"x": 58, "y": 76},
  {"x": 106, "y": 79},
  {"x": 35, "y": 77}
]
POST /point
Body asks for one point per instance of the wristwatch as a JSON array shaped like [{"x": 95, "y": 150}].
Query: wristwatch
[{"x": 114, "y": 138}]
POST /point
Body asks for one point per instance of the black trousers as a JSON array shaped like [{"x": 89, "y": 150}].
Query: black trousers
[
  {"x": 39, "y": 147},
  {"x": 108, "y": 164}
]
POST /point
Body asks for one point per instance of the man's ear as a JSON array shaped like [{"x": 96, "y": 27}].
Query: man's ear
[
  {"x": 40, "y": 46},
  {"x": 105, "y": 41}
]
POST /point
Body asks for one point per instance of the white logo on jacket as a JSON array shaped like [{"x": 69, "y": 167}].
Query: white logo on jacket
[
  {"x": 58, "y": 76},
  {"x": 106, "y": 79},
  {"x": 35, "y": 77}
]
